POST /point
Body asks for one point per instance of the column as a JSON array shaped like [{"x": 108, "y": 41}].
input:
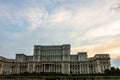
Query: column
[
  {"x": 28, "y": 67},
  {"x": 34, "y": 67}
]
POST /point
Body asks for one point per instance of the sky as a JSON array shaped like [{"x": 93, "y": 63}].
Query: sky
[{"x": 91, "y": 26}]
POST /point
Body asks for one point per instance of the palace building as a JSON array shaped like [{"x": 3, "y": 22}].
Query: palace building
[{"x": 55, "y": 58}]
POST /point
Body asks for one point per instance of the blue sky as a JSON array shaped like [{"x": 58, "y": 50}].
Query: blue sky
[{"x": 88, "y": 25}]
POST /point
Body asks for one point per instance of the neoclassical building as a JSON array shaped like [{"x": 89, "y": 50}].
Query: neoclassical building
[{"x": 55, "y": 58}]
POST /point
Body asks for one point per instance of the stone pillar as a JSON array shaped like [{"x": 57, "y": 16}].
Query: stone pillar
[
  {"x": 34, "y": 67},
  {"x": 88, "y": 68},
  {"x": 66, "y": 59},
  {"x": 18, "y": 68},
  {"x": 43, "y": 67},
  {"x": 37, "y": 53},
  {"x": 28, "y": 67},
  {"x": 66, "y": 67},
  {"x": 1, "y": 68}
]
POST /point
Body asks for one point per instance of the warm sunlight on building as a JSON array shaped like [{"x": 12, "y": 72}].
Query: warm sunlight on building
[{"x": 56, "y": 59}]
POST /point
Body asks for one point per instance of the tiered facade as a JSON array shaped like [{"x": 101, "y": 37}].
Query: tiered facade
[{"x": 55, "y": 58}]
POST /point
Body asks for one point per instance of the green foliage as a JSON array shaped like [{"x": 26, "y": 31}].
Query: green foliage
[{"x": 112, "y": 72}]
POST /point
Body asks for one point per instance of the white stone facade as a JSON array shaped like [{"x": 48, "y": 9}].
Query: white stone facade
[{"x": 55, "y": 58}]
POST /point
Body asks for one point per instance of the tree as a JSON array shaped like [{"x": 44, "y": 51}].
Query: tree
[{"x": 113, "y": 71}]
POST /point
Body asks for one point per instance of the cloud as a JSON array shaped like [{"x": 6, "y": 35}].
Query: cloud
[
  {"x": 91, "y": 26},
  {"x": 109, "y": 29},
  {"x": 34, "y": 16},
  {"x": 60, "y": 15}
]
